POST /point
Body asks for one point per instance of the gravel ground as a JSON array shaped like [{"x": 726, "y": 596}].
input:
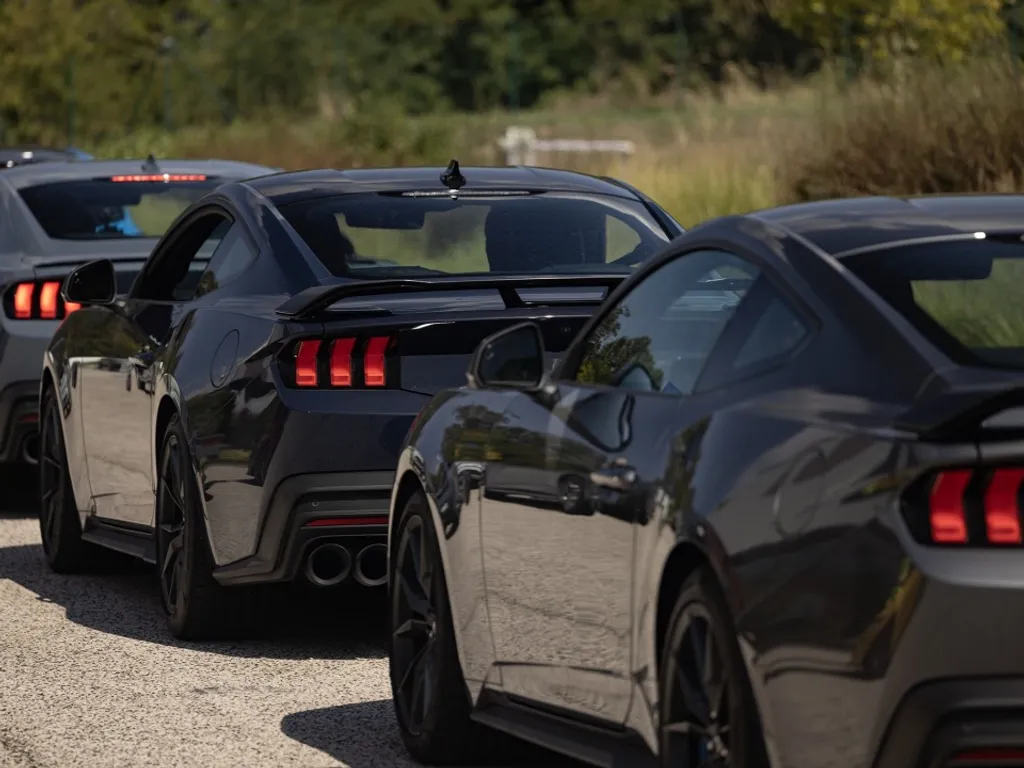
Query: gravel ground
[{"x": 90, "y": 677}]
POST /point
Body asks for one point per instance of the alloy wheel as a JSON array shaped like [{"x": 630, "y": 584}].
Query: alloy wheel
[
  {"x": 415, "y": 659},
  {"x": 51, "y": 479},
  {"x": 698, "y": 730},
  {"x": 171, "y": 524}
]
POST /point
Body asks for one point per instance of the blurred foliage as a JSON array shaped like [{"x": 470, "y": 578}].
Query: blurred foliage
[{"x": 95, "y": 69}]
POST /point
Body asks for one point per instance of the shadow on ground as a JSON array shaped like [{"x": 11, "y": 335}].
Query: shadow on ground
[
  {"x": 352, "y": 734},
  {"x": 294, "y": 623},
  {"x": 18, "y": 492}
]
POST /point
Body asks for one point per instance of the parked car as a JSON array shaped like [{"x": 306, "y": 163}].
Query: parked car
[
  {"x": 279, "y": 341},
  {"x": 766, "y": 511}
]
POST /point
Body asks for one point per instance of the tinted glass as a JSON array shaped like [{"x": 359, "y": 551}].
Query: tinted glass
[
  {"x": 102, "y": 209},
  {"x": 387, "y": 235},
  {"x": 966, "y": 297},
  {"x": 231, "y": 257},
  {"x": 188, "y": 286},
  {"x": 660, "y": 335}
]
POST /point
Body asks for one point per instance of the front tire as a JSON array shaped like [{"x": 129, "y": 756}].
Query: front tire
[
  {"x": 708, "y": 715},
  {"x": 427, "y": 685},
  {"x": 60, "y": 527},
  {"x": 197, "y": 607}
]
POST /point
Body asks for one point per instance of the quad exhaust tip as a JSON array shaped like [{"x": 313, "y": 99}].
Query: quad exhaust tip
[
  {"x": 328, "y": 564},
  {"x": 371, "y": 568}
]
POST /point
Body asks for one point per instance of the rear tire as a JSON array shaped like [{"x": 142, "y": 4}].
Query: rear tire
[
  {"x": 60, "y": 527},
  {"x": 708, "y": 715},
  {"x": 197, "y": 607},
  {"x": 428, "y": 688}
]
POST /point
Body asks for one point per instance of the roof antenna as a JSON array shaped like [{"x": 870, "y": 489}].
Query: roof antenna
[
  {"x": 150, "y": 165},
  {"x": 453, "y": 178}
]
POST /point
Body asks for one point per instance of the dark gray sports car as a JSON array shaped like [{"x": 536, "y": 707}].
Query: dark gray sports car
[{"x": 766, "y": 511}]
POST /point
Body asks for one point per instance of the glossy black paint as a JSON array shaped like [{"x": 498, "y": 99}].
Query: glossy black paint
[
  {"x": 270, "y": 457},
  {"x": 572, "y": 513}
]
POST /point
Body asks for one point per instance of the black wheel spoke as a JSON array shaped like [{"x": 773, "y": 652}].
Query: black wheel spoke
[
  {"x": 412, "y": 628},
  {"x": 416, "y": 601},
  {"x": 696, "y": 729},
  {"x": 411, "y": 670},
  {"x": 50, "y": 461}
]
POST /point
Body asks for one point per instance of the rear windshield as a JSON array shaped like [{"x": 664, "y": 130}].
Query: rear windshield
[
  {"x": 103, "y": 209},
  {"x": 967, "y": 297},
  {"x": 388, "y": 235}
]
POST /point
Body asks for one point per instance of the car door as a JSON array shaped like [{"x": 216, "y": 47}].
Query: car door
[
  {"x": 573, "y": 468},
  {"x": 118, "y": 390}
]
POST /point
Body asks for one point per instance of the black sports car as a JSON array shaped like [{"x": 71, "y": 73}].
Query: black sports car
[
  {"x": 766, "y": 511},
  {"x": 278, "y": 343}
]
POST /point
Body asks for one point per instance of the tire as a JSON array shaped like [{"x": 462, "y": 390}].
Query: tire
[
  {"x": 442, "y": 733},
  {"x": 60, "y": 527},
  {"x": 196, "y": 606},
  {"x": 701, "y": 611}
]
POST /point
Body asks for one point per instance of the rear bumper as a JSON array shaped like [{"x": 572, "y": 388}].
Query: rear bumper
[
  {"x": 288, "y": 536},
  {"x": 22, "y": 347},
  {"x": 957, "y": 724}
]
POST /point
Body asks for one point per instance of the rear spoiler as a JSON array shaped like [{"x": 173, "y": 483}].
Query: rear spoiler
[
  {"x": 959, "y": 411},
  {"x": 310, "y": 302}
]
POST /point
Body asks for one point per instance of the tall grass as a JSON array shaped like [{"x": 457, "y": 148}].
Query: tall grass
[{"x": 739, "y": 149}]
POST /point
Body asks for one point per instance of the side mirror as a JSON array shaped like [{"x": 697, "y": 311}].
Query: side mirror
[
  {"x": 92, "y": 283},
  {"x": 511, "y": 358}
]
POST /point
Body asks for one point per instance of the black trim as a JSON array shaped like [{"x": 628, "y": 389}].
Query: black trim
[
  {"x": 308, "y": 303},
  {"x": 928, "y": 723},
  {"x": 562, "y": 732},
  {"x": 283, "y": 541},
  {"x": 134, "y": 540}
]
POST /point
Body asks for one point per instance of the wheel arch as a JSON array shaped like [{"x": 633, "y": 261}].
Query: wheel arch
[
  {"x": 683, "y": 561},
  {"x": 165, "y": 412}
]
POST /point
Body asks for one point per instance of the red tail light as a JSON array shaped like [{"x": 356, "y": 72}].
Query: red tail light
[
  {"x": 373, "y": 365},
  {"x": 23, "y": 300},
  {"x": 48, "y": 300},
  {"x": 306, "y": 374},
  {"x": 37, "y": 300},
  {"x": 340, "y": 359},
  {"x": 995, "y": 756},
  {"x": 341, "y": 362},
  {"x": 967, "y": 507},
  {"x": 949, "y": 523}
]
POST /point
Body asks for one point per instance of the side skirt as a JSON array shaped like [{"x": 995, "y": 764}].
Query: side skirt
[
  {"x": 129, "y": 539},
  {"x": 584, "y": 740}
]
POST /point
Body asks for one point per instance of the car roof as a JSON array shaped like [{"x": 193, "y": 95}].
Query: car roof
[
  {"x": 33, "y": 174},
  {"x": 289, "y": 187},
  {"x": 841, "y": 227},
  {"x": 23, "y": 155}
]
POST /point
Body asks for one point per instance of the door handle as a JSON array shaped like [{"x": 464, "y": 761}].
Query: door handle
[{"x": 615, "y": 478}]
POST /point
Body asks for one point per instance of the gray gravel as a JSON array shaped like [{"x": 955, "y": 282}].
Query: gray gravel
[{"x": 90, "y": 677}]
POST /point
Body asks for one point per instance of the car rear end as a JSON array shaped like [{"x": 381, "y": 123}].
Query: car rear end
[
  {"x": 952, "y": 666},
  {"x": 415, "y": 290},
  {"x": 58, "y": 217}
]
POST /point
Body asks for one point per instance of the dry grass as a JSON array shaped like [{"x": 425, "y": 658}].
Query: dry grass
[{"x": 736, "y": 150}]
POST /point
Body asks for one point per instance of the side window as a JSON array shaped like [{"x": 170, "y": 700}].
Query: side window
[
  {"x": 175, "y": 273},
  {"x": 232, "y": 256},
  {"x": 766, "y": 329},
  {"x": 661, "y": 334}
]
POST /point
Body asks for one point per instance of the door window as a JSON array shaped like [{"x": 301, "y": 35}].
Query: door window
[
  {"x": 660, "y": 335},
  {"x": 174, "y": 271},
  {"x": 231, "y": 258}
]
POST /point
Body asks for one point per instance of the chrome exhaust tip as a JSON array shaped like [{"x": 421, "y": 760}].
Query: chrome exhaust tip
[
  {"x": 328, "y": 564},
  {"x": 371, "y": 569},
  {"x": 30, "y": 450}
]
